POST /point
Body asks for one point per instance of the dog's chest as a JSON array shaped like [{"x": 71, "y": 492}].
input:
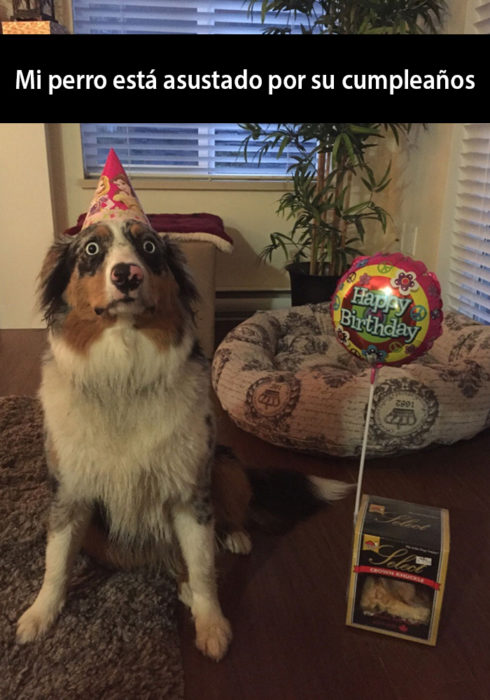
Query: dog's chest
[{"x": 139, "y": 448}]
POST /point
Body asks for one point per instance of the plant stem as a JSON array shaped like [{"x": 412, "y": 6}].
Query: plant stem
[
  {"x": 346, "y": 206},
  {"x": 336, "y": 219},
  {"x": 323, "y": 244},
  {"x": 320, "y": 183}
]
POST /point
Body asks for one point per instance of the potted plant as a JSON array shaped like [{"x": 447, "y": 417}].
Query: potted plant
[
  {"x": 331, "y": 159},
  {"x": 354, "y": 17},
  {"x": 328, "y": 227}
]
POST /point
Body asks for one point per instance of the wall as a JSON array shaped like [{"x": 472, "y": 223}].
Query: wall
[
  {"x": 26, "y": 221},
  {"x": 422, "y": 180}
]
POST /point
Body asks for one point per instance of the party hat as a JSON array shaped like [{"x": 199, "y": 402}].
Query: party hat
[{"x": 114, "y": 197}]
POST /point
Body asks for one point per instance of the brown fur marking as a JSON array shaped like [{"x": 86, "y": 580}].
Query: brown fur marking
[
  {"x": 138, "y": 229},
  {"x": 82, "y": 326},
  {"x": 164, "y": 325},
  {"x": 102, "y": 230}
]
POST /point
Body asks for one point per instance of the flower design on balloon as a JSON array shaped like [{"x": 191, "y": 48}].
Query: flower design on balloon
[
  {"x": 405, "y": 282},
  {"x": 418, "y": 312},
  {"x": 342, "y": 335},
  {"x": 380, "y": 315},
  {"x": 374, "y": 354}
]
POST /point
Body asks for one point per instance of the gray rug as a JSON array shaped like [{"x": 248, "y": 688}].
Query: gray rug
[{"x": 117, "y": 635}]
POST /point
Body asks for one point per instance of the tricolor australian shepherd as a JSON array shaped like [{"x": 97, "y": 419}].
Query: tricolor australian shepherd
[{"x": 129, "y": 426}]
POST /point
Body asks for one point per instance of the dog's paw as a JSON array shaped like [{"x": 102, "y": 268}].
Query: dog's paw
[
  {"x": 33, "y": 624},
  {"x": 213, "y": 637},
  {"x": 238, "y": 542}
]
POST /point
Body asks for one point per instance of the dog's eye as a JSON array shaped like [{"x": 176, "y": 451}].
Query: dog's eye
[
  {"x": 92, "y": 248},
  {"x": 149, "y": 246}
]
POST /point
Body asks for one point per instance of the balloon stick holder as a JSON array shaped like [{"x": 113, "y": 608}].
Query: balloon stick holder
[{"x": 374, "y": 376}]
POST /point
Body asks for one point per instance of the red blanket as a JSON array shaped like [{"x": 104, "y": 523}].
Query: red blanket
[{"x": 185, "y": 227}]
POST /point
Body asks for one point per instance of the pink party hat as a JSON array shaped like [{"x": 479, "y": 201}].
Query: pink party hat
[{"x": 114, "y": 197}]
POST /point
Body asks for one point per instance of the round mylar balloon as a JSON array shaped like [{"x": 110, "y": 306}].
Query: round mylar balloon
[{"x": 387, "y": 309}]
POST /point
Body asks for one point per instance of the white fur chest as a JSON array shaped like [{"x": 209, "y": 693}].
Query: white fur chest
[{"x": 128, "y": 424}]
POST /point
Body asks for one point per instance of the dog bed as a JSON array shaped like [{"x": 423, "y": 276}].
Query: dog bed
[{"x": 283, "y": 376}]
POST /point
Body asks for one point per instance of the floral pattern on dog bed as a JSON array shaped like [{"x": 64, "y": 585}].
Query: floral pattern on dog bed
[{"x": 283, "y": 376}]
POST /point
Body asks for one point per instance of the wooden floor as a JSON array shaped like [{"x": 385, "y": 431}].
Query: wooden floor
[{"x": 286, "y": 601}]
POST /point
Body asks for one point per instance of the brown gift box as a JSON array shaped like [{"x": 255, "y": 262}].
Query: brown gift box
[{"x": 399, "y": 565}]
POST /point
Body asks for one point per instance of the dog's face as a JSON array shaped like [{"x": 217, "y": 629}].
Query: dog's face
[{"x": 111, "y": 271}]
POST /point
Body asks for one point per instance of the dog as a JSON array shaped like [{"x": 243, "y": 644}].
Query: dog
[{"x": 130, "y": 429}]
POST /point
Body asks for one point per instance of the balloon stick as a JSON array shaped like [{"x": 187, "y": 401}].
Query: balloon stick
[{"x": 374, "y": 374}]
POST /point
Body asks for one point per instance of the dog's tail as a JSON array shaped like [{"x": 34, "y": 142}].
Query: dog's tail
[
  {"x": 281, "y": 498},
  {"x": 272, "y": 500}
]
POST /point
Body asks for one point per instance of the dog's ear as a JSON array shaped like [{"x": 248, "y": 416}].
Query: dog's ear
[
  {"x": 177, "y": 264},
  {"x": 54, "y": 277}
]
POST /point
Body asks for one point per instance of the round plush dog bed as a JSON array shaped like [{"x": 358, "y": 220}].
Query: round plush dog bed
[{"x": 283, "y": 376}]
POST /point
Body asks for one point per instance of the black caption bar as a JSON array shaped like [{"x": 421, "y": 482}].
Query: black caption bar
[{"x": 185, "y": 78}]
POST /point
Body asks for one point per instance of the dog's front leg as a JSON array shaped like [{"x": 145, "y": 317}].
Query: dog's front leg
[
  {"x": 213, "y": 631},
  {"x": 67, "y": 524}
]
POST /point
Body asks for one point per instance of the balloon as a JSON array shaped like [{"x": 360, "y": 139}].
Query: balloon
[{"x": 387, "y": 309}]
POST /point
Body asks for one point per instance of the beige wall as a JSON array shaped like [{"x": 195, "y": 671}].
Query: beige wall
[
  {"x": 26, "y": 222},
  {"x": 460, "y": 17},
  {"x": 423, "y": 171}
]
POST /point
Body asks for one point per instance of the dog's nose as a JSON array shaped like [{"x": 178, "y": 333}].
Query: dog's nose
[{"x": 126, "y": 276}]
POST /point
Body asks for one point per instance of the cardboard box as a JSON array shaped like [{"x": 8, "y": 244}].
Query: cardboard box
[{"x": 399, "y": 564}]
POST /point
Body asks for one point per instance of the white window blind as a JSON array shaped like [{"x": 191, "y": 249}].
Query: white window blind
[
  {"x": 191, "y": 150},
  {"x": 469, "y": 279},
  {"x": 171, "y": 17}
]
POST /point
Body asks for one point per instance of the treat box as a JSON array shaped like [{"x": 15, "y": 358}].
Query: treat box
[{"x": 399, "y": 565}]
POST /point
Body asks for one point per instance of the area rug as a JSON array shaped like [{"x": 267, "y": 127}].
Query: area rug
[{"x": 117, "y": 635}]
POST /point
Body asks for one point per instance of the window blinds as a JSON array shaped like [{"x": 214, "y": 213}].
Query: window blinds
[
  {"x": 469, "y": 279},
  {"x": 191, "y": 150},
  {"x": 469, "y": 276},
  {"x": 170, "y": 17}
]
